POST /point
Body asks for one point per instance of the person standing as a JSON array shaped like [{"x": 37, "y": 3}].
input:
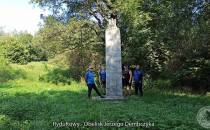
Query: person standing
[
  {"x": 89, "y": 79},
  {"x": 102, "y": 77},
  {"x": 138, "y": 80},
  {"x": 127, "y": 79}
]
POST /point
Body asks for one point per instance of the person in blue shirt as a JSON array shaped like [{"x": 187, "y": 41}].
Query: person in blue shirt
[
  {"x": 102, "y": 77},
  {"x": 89, "y": 79},
  {"x": 138, "y": 80}
]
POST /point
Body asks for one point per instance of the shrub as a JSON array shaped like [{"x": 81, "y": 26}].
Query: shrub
[
  {"x": 148, "y": 82},
  {"x": 163, "y": 84},
  {"x": 8, "y": 73},
  {"x": 194, "y": 80},
  {"x": 59, "y": 75},
  {"x": 20, "y": 49},
  {"x": 159, "y": 83}
]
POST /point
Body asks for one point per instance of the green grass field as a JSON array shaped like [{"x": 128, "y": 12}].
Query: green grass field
[{"x": 28, "y": 104}]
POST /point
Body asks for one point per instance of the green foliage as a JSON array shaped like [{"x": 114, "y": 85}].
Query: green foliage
[
  {"x": 178, "y": 43},
  {"x": 79, "y": 60},
  {"x": 8, "y": 73},
  {"x": 57, "y": 38},
  {"x": 99, "y": 10},
  {"x": 58, "y": 75},
  {"x": 73, "y": 44},
  {"x": 163, "y": 84},
  {"x": 18, "y": 48},
  {"x": 195, "y": 77},
  {"x": 165, "y": 37},
  {"x": 134, "y": 31}
]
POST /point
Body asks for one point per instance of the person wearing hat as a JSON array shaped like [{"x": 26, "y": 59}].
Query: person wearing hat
[{"x": 89, "y": 79}]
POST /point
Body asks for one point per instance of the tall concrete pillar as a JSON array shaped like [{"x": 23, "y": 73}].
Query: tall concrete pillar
[{"x": 113, "y": 62}]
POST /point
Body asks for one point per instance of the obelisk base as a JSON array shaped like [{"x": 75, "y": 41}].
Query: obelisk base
[{"x": 108, "y": 98}]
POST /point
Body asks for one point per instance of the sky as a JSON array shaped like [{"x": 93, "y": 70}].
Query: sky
[{"x": 19, "y": 15}]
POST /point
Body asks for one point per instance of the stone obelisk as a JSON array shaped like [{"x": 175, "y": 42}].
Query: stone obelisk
[{"x": 113, "y": 61}]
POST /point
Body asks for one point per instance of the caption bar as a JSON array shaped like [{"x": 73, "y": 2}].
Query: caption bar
[{"x": 104, "y": 124}]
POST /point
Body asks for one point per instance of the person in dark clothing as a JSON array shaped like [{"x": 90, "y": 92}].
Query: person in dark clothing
[
  {"x": 89, "y": 79},
  {"x": 102, "y": 77},
  {"x": 126, "y": 80},
  {"x": 138, "y": 80}
]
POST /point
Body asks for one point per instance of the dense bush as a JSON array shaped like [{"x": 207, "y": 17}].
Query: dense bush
[
  {"x": 158, "y": 83},
  {"x": 196, "y": 79},
  {"x": 17, "y": 53},
  {"x": 37, "y": 54},
  {"x": 59, "y": 75},
  {"x": 19, "y": 48},
  {"x": 163, "y": 84}
]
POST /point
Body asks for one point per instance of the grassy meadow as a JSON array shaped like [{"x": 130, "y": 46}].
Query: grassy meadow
[{"x": 29, "y": 104}]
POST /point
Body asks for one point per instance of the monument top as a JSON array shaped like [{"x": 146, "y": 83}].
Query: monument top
[
  {"x": 112, "y": 23},
  {"x": 112, "y": 20}
]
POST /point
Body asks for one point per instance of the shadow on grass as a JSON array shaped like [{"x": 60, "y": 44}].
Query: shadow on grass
[
  {"x": 11, "y": 74},
  {"x": 39, "y": 110}
]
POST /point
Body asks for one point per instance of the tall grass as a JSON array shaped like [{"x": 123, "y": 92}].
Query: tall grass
[
  {"x": 28, "y": 104},
  {"x": 7, "y": 72}
]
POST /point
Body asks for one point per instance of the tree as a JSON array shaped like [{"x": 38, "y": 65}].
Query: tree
[
  {"x": 18, "y": 48},
  {"x": 169, "y": 38},
  {"x": 75, "y": 41}
]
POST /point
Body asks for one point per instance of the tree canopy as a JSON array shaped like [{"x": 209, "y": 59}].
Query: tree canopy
[{"x": 169, "y": 39}]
